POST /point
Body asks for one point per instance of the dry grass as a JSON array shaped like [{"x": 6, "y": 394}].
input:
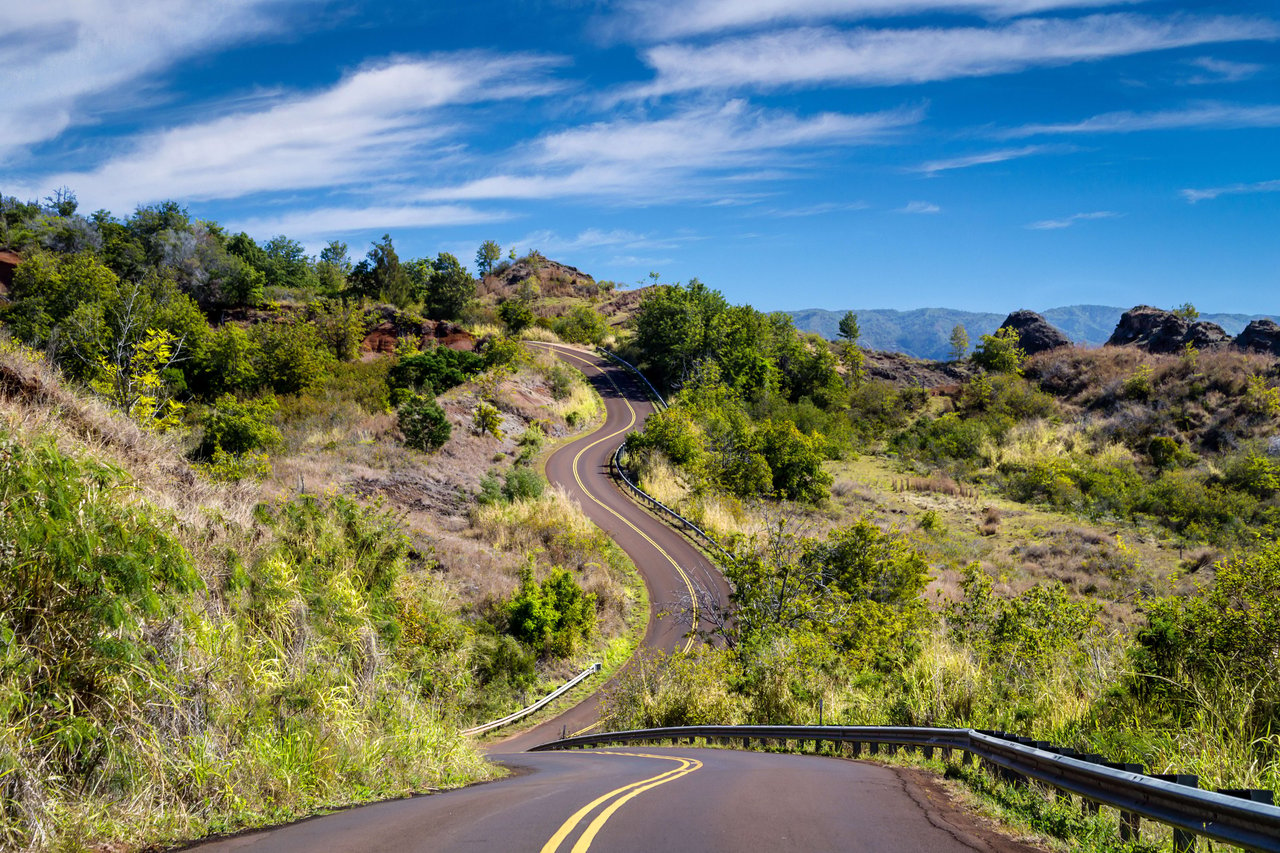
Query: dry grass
[
  {"x": 538, "y": 333},
  {"x": 940, "y": 484}
]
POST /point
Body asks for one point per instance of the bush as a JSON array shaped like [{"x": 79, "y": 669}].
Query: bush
[
  {"x": 554, "y": 614},
  {"x": 582, "y": 325},
  {"x": 519, "y": 483},
  {"x": 434, "y": 371},
  {"x": 423, "y": 423},
  {"x": 291, "y": 357},
  {"x": 515, "y": 314},
  {"x": 239, "y": 426},
  {"x": 1000, "y": 353}
]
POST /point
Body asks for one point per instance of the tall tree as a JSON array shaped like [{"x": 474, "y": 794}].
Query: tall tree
[
  {"x": 381, "y": 275},
  {"x": 487, "y": 255},
  {"x": 959, "y": 343},
  {"x": 452, "y": 287}
]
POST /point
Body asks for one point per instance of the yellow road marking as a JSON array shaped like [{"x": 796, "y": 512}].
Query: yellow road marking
[
  {"x": 594, "y": 725},
  {"x": 693, "y": 596},
  {"x": 624, "y": 793}
]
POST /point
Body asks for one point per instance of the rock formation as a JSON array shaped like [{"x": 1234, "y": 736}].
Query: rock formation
[
  {"x": 1260, "y": 336},
  {"x": 1035, "y": 333},
  {"x": 1160, "y": 331}
]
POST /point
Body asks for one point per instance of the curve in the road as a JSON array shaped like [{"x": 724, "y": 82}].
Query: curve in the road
[{"x": 674, "y": 570}]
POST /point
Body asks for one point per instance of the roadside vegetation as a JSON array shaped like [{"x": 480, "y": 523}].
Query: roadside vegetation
[
  {"x": 273, "y": 529},
  {"x": 1075, "y": 547}
]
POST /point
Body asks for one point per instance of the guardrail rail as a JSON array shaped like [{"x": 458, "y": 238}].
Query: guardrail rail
[
  {"x": 1234, "y": 817},
  {"x": 536, "y": 706}
]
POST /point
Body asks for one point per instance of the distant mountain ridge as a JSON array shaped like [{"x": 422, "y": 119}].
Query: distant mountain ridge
[{"x": 926, "y": 332}]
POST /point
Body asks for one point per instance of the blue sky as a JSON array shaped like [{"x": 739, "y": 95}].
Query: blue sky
[{"x": 977, "y": 154}]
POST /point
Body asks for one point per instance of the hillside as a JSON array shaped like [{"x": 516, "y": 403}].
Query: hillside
[{"x": 926, "y": 332}]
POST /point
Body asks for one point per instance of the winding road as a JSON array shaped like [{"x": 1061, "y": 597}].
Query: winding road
[{"x": 646, "y": 799}]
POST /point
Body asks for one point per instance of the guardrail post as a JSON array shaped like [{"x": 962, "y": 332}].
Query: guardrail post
[
  {"x": 1129, "y": 826},
  {"x": 873, "y": 748},
  {"x": 746, "y": 743},
  {"x": 946, "y": 754},
  {"x": 927, "y": 751}
]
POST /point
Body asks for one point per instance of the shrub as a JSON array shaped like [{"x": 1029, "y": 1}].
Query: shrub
[
  {"x": 239, "y": 426},
  {"x": 554, "y": 614},
  {"x": 582, "y": 325},
  {"x": 291, "y": 357},
  {"x": 515, "y": 314},
  {"x": 434, "y": 371},
  {"x": 487, "y": 420},
  {"x": 1000, "y": 353},
  {"x": 423, "y": 423}
]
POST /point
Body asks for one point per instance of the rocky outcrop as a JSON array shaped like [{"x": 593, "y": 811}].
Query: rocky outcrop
[
  {"x": 8, "y": 264},
  {"x": 1160, "y": 331},
  {"x": 1261, "y": 336},
  {"x": 1035, "y": 333},
  {"x": 392, "y": 325},
  {"x": 553, "y": 278}
]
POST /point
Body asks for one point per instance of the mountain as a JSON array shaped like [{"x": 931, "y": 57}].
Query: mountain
[{"x": 926, "y": 332}]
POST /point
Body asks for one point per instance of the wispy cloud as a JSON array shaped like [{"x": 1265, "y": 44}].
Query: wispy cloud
[
  {"x": 1067, "y": 222},
  {"x": 821, "y": 209},
  {"x": 933, "y": 167},
  {"x": 682, "y": 153},
  {"x": 332, "y": 222},
  {"x": 1194, "y": 196},
  {"x": 377, "y": 124},
  {"x": 61, "y": 58},
  {"x": 667, "y": 19},
  {"x": 616, "y": 239},
  {"x": 1222, "y": 70},
  {"x": 882, "y": 57},
  {"x": 920, "y": 207},
  {"x": 1206, "y": 116}
]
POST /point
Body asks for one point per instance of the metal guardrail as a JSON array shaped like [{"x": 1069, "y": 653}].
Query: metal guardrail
[
  {"x": 1188, "y": 810},
  {"x": 657, "y": 398},
  {"x": 685, "y": 524},
  {"x": 524, "y": 712}
]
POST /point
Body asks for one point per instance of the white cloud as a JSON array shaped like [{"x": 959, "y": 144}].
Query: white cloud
[
  {"x": 1194, "y": 196},
  {"x": 331, "y": 222},
  {"x": 666, "y": 19},
  {"x": 920, "y": 207},
  {"x": 655, "y": 158},
  {"x": 820, "y": 209},
  {"x": 615, "y": 239},
  {"x": 60, "y": 55},
  {"x": 1222, "y": 70},
  {"x": 1067, "y": 222},
  {"x": 1211, "y": 116},
  {"x": 882, "y": 57},
  {"x": 933, "y": 167},
  {"x": 371, "y": 126}
]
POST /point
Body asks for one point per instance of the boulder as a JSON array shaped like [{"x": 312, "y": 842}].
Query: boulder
[
  {"x": 1160, "y": 331},
  {"x": 1260, "y": 336},
  {"x": 1035, "y": 333}
]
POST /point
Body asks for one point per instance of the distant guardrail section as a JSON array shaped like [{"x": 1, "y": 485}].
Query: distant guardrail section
[
  {"x": 536, "y": 706},
  {"x": 1243, "y": 818}
]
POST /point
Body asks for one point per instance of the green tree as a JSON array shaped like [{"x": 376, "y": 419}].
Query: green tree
[
  {"x": 959, "y": 343},
  {"x": 292, "y": 358},
  {"x": 423, "y": 423},
  {"x": 849, "y": 330},
  {"x": 487, "y": 255},
  {"x": 451, "y": 288},
  {"x": 1187, "y": 311},
  {"x": 795, "y": 460},
  {"x": 555, "y": 614},
  {"x": 226, "y": 361},
  {"x": 1000, "y": 353},
  {"x": 381, "y": 275},
  {"x": 333, "y": 268},
  {"x": 515, "y": 314}
]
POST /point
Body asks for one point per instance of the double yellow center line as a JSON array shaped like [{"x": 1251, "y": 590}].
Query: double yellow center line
[
  {"x": 693, "y": 596},
  {"x": 619, "y": 797}
]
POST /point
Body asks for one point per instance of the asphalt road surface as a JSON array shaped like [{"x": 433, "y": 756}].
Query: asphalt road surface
[
  {"x": 674, "y": 571},
  {"x": 646, "y": 799}
]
